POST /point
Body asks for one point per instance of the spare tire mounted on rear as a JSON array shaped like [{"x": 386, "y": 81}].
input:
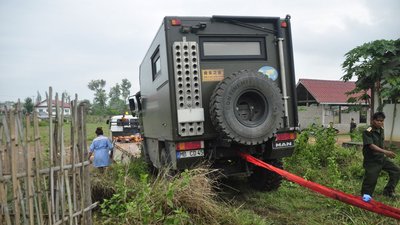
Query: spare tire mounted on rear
[{"x": 247, "y": 107}]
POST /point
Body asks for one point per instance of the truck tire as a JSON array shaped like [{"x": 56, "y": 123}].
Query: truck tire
[
  {"x": 150, "y": 167},
  {"x": 247, "y": 107},
  {"x": 264, "y": 180},
  {"x": 166, "y": 164}
]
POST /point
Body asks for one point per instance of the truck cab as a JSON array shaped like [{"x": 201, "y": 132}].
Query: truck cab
[{"x": 123, "y": 125}]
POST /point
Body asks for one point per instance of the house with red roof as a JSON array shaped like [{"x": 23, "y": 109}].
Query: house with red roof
[
  {"x": 323, "y": 102},
  {"x": 42, "y": 108}
]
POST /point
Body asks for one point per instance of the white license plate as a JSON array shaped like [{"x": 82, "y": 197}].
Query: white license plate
[{"x": 189, "y": 153}]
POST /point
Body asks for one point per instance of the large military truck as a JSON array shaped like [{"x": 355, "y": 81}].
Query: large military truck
[{"x": 211, "y": 87}]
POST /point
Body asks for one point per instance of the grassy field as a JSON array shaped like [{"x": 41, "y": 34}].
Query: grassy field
[{"x": 90, "y": 130}]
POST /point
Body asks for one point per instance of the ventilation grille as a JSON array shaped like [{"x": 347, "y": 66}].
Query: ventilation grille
[{"x": 188, "y": 89}]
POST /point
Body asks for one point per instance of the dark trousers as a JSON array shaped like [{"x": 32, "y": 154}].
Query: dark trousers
[{"x": 372, "y": 171}]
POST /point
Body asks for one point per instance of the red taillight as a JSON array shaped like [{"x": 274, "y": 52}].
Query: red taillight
[
  {"x": 283, "y": 24},
  {"x": 181, "y": 146},
  {"x": 285, "y": 136},
  {"x": 176, "y": 22}
]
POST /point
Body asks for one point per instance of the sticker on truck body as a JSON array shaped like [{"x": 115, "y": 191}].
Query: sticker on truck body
[
  {"x": 212, "y": 75},
  {"x": 269, "y": 72}
]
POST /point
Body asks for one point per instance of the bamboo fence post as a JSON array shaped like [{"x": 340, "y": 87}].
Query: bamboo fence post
[
  {"x": 1, "y": 176},
  {"x": 21, "y": 148},
  {"x": 62, "y": 155},
  {"x": 74, "y": 132},
  {"x": 82, "y": 169},
  {"x": 38, "y": 167},
  {"x": 70, "y": 212},
  {"x": 52, "y": 217},
  {"x": 29, "y": 170},
  {"x": 13, "y": 161},
  {"x": 3, "y": 186},
  {"x": 21, "y": 198},
  {"x": 55, "y": 161},
  {"x": 65, "y": 173},
  {"x": 87, "y": 197}
]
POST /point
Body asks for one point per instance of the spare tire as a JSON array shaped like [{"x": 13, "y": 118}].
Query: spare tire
[{"x": 247, "y": 107}]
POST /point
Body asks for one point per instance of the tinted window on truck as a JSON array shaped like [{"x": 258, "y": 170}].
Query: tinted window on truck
[
  {"x": 232, "y": 48},
  {"x": 156, "y": 63}
]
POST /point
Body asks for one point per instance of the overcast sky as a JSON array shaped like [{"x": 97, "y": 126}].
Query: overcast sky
[{"x": 67, "y": 43}]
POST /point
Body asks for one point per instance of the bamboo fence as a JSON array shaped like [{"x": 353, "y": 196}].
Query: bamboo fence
[{"x": 44, "y": 184}]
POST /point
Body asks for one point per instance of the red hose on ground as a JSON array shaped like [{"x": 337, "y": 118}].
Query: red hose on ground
[{"x": 372, "y": 205}]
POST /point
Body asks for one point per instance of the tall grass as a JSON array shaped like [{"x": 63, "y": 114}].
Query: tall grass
[{"x": 186, "y": 198}]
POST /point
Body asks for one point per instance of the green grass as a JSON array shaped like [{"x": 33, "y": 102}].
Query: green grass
[
  {"x": 293, "y": 204},
  {"x": 290, "y": 204}
]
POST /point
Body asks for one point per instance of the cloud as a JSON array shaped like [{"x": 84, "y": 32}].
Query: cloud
[{"x": 66, "y": 44}]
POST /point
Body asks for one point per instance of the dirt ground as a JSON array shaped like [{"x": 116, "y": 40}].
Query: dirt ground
[
  {"x": 342, "y": 138},
  {"x": 339, "y": 139},
  {"x": 123, "y": 151}
]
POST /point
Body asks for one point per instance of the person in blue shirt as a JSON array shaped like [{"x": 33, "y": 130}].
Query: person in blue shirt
[{"x": 102, "y": 148}]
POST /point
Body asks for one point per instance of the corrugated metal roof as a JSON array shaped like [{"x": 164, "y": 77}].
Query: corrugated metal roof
[{"x": 328, "y": 91}]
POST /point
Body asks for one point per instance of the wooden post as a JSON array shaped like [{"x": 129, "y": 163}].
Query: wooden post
[
  {"x": 2, "y": 194},
  {"x": 3, "y": 185},
  {"x": 38, "y": 166},
  {"x": 74, "y": 144},
  {"x": 55, "y": 159},
  {"x": 21, "y": 146},
  {"x": 52, "y": 217},
  {"x": 82, "y": 155},
  {"x": 29, "y": 170},
  {"x": 14, "y": 161},
  {"x": 88, "y": 196}
]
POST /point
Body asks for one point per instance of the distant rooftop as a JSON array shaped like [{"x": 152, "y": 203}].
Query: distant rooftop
[
  {"x": 53, "y": 102},
  {"x": 324, "y": 91}
]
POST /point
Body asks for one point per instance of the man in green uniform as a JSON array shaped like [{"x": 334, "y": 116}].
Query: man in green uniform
[{"x": 376, "y": 158}]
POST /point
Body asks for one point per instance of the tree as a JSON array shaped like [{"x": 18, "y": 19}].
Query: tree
[
  {"x": 28, "y": 105},
  {"x": 374, "y": 65},
  {"x": 125, "y": 86},
  {"x": 377, "y": 67},
  {"x": 116, "y": 105},
  {"x": 100, "y": 99}
]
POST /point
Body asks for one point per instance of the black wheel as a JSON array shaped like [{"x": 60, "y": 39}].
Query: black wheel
[
  {"x": 165, "y": 160},
  {"x": 264, "y": 180},
  {"x": 247, "y": 107},
  {"x": 150, "y": 167},
  {"x": 166, "y": 164}
]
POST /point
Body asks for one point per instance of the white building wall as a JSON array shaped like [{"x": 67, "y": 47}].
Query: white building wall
[
  {"x": 388, "y": 110},
  {"x": 309, "y": 115},
  {"x": 323, "y": 115}
]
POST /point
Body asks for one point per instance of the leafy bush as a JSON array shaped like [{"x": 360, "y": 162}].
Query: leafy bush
[
  {"x": 318, "y": 158},
  {"x": 43, "y": 123},
  {"x": 356, "y": 135}
]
